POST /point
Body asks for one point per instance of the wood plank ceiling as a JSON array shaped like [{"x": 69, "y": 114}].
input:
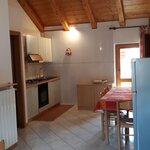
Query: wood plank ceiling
[{"x": 45, "y": 13}]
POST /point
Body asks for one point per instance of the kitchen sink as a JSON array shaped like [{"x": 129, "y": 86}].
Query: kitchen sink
[{"x": 45, "y": 78}]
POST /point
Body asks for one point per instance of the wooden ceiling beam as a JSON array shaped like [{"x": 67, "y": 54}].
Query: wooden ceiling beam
[
  {"x": 149, "y": 11},
  {"x": 59, "y": 14},
  {"x": 121, "y": 15},
  {"x": 89, "y": 13},
  {"x": 30, "y": 12}
]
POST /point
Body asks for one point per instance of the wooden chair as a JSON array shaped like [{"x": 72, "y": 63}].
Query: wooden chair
[
  {"x": 123, "y": 121},
  {"x": 111, "y": 116},
  {"x": 2, "y": 145},
  {"x": 102, "y": 93}
]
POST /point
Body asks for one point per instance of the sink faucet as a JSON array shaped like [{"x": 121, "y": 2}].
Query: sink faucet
[{"x": 41, "y": 72}]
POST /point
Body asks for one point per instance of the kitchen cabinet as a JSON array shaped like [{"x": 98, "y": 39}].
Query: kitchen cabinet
[
  {"x": 54, "y": 92},
  {"x": 32, "y": 101},
  {"x": 45, "y": 49},
  {"x": 85, "y": 95},
  {"x": 39, "y": 45},
  {"x": 32, "y": 44},
  {"x": 88, "y": 94}
]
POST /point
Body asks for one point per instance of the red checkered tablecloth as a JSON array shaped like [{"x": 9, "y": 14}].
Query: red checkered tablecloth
[{"x": 108, "y": 101}]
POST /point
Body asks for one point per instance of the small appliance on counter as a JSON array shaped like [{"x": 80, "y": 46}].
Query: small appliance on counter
[{"x": 98, "y": 81}]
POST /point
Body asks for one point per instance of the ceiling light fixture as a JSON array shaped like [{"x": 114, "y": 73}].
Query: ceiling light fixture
[{"x": 73, "y": 33}]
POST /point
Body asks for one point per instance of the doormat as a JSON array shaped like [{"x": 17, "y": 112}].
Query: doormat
[{"x": 52, "y": 113}]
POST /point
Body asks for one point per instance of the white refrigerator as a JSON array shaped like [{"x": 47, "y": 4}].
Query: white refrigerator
[{"x": 141, "y": 102}]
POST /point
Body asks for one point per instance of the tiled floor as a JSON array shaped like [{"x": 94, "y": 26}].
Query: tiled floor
[{"x": 74, "y": 130}]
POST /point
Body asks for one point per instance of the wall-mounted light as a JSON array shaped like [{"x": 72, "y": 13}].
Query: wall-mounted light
[
  {"x": 73, "y": 33},
  {"x": 100, "y": 46},
  {"x": 72, "y": 29}
]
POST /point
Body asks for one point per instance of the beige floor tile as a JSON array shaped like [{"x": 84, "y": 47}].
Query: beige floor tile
[{"x": 73, "y": 130}]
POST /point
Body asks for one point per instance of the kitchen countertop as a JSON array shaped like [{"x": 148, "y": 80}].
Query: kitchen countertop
[
  {"x": 5, "y": 86},
  {"x": 91, "y": 83},
  {"x": 28, "y": 85}
]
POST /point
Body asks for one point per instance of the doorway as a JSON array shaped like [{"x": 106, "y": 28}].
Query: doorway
[
  {"x": 16, "y": 54},
  {"x": 124, "y": 54}
]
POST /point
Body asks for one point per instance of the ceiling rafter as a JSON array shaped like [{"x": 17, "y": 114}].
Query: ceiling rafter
[
  {"x": 59, "y": 14},
  {"x": 149, "y": 10},
  {"x": 28, "y": 9},
  {"x": 89, "y": 13},
  {"x": 121, "y": 15}
]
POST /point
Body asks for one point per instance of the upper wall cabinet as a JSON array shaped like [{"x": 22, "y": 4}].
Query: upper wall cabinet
[
  {"x": 39, "y": 45},
  {"x": 32, "y": 44},
  {"x": 45, "y": 49}
]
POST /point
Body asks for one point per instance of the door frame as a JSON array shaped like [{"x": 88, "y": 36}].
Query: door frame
[
  {"x": 17, "y": 54},
  {"x": 117, "y": 58}
]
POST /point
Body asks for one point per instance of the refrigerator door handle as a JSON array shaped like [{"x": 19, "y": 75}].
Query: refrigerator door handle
[{"x": 133, "y": 65}]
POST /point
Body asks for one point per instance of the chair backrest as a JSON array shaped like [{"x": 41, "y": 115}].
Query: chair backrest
[
  {"x": 104, "y": 91},
  {"x": 124, "y": 105}
]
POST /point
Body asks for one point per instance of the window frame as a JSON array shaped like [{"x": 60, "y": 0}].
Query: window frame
[{"x": 117, "y": 48}]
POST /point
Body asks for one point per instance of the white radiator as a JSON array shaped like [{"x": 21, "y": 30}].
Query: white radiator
[{"x": 8, "y": 125}]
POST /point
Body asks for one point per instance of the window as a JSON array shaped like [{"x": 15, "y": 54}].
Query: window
[{"x": 124, "y": 54}]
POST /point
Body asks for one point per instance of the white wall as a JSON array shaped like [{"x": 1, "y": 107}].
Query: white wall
[
  {"x": 129, "y": 35},
  {"x": 6, "y": 73},
  {"x": 87, "y": 61},
  {"x": 19, "y": 20},
  {"x": 5, "y": 55}
]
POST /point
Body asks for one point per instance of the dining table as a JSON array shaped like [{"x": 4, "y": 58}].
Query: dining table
[{"x": 108, "y": 103}]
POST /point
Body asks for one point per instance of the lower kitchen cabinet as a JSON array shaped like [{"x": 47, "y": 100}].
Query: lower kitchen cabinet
[
  {"x": 85, "y": 97},
  {"x": 54, "y": 98},
  {"x": 88, "y": 94},
  {"x": 54, "y": 92},
  {"x": 32, "y": 101}
]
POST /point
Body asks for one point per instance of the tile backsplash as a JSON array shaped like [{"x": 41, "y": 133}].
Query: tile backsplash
[{"x": 35, "y": 70}]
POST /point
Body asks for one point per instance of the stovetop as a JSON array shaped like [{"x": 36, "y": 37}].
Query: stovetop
[{"x": 36, "y": 80}]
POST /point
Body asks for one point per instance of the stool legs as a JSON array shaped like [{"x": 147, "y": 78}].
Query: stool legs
[
  {"x": 106, "y": 126},
  {"x": 103, "y": 126}
]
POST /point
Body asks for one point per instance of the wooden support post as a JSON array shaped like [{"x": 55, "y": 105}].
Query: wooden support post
[{"x": 2, "y": 147}]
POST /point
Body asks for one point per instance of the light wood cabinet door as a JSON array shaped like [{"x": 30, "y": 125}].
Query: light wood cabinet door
[
  {"x": 32, "y": 44},
  {"x": 85, "y": 94},
  {"x": 32, "y": 101},
  {"x": 89, "y": 94}
]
